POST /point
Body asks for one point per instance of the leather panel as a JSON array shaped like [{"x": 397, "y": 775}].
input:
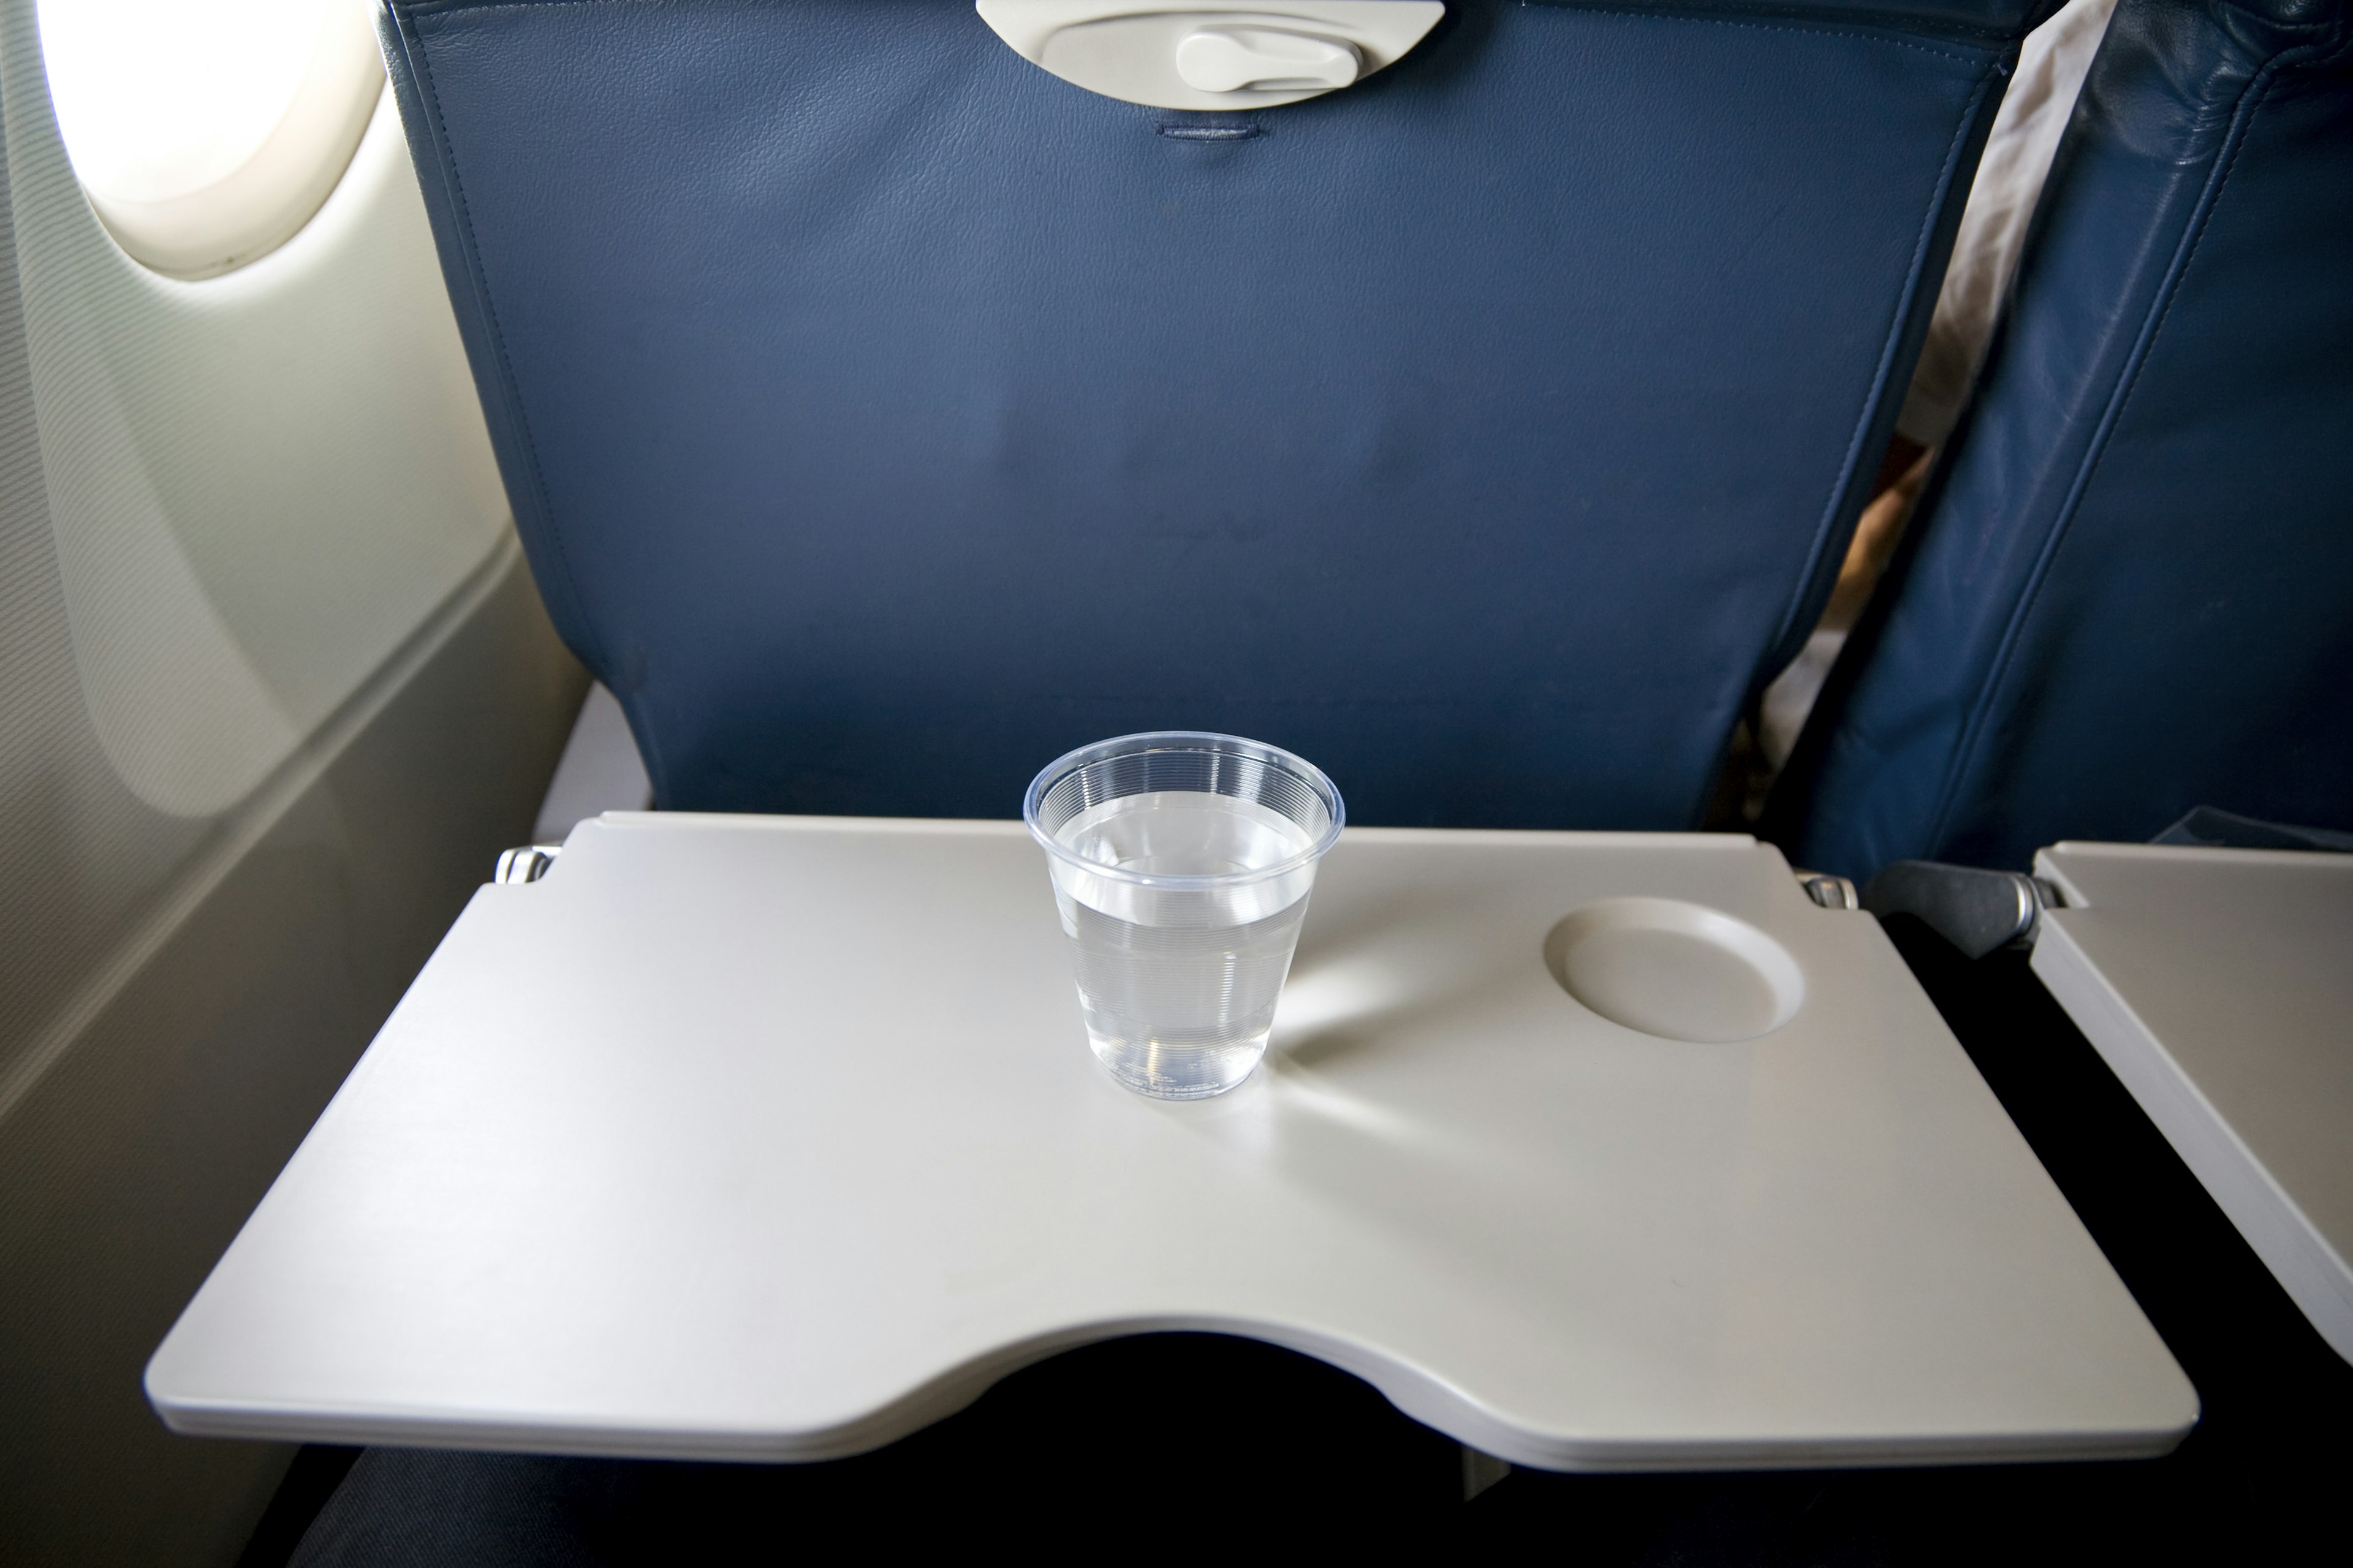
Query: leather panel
[
  {"x": 885, "y": 416},
  {"x": 2127, "y": 592}
]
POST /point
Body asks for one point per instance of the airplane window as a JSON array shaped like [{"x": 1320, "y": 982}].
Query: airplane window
[
  {"x": 203, "y": 147},
  {"x": 258, "y": 489}
]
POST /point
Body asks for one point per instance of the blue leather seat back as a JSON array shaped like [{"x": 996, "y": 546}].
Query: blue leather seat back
[
  {"x": 885, "y": 416},
  {"x": 2130, "y": 590}
]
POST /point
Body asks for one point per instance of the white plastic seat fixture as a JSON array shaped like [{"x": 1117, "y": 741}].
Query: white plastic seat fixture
[
  {"x": 203, "y": 147},
  {"x": 1211, "y": 54},
  {"x": 600, "y": 771},
  {"x": 1264, "y": 60},
  {"x": 2218, "y": 985},
  {"x": 779, "y": 1138}
]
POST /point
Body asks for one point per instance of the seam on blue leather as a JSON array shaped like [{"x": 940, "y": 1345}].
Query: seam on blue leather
[
  {"x": 2270, "y": 22},
  {"x": 1965, "y": 753},
  {"x": 1809, "y": 582},
  {"x": 421, "y": 64}
]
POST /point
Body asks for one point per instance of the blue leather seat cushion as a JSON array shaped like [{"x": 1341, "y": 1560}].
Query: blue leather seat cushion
[
  {"x": 2131, "y": 591},
  {"x": 885, "y": 415}
]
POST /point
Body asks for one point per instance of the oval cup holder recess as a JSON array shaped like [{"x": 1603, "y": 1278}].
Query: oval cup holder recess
[{"x": 1676, "y": 969}]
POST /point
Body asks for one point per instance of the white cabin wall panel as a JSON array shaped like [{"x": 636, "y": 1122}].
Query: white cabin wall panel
[
  {"x": 80, "y": 853},
  {"x": 226, "y": 504},
  {"x": 233, "y": 465},
  {"x": 126, "y": 1168},
  {"x": 275, "y": 687}
]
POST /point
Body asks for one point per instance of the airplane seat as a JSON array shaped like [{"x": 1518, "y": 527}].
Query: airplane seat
[
  {"x": 2125, "y": 593},
  {"x": 885, "y": 416}
]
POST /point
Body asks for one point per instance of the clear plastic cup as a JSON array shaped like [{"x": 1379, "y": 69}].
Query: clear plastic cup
[{"x": 1182, "y": 864}]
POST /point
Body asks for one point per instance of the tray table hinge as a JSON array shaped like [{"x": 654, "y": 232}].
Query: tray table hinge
[
  {"x": 1830, "y": 892},
  {"x": 528, "y": 864},
  {"x": 1975, "y": 909}
]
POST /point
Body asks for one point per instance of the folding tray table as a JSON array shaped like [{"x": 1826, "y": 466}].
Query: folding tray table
[
  {"x": 2218, "y": 985},
  {"x": 770, "y": 1138}
]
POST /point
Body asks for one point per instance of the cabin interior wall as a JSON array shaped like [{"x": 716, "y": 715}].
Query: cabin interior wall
[
  {"x": 129, "y": 1167},
  {"x": 275, "y": 687}
]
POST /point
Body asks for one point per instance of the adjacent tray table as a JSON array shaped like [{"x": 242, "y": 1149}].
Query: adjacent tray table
[
  {"x": 778, "y": 1138},
  {"x": 2218, "y": 984}
]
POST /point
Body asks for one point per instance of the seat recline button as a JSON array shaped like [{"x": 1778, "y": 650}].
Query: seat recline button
[{"x": 1233, "y": 59}]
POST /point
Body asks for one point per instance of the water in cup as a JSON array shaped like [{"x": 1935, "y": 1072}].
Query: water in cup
[
  {"x": 1182, "y": 904},
  {"x": 1184, "y": 1008}
]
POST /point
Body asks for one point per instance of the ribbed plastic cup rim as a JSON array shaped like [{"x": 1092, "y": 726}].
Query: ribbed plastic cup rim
[{"x": 1183, "y": 741}]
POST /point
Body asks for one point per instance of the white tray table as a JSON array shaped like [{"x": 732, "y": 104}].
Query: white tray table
[
  {"x": 2218, "y": 984},
  {"x": 778, "y": 1138}
]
